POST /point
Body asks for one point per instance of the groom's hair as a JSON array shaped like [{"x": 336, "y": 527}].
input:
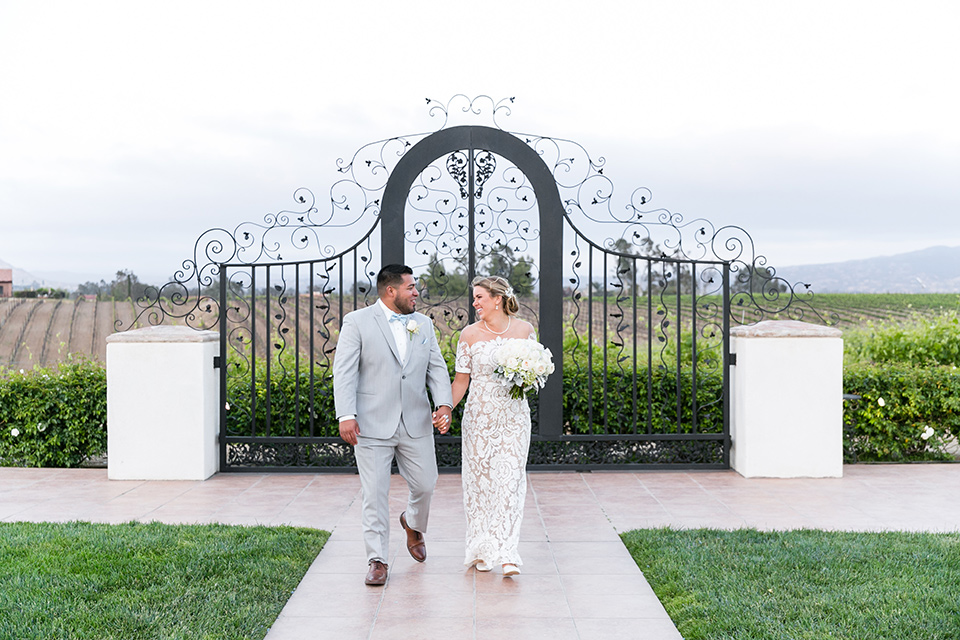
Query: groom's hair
[{"x": 391, "y": 276}]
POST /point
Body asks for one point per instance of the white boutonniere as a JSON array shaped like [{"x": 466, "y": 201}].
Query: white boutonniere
[{"x": 413, "y": 328}]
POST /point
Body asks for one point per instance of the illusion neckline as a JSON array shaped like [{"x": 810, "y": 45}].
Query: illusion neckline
[{"x": 498, "y": 339}]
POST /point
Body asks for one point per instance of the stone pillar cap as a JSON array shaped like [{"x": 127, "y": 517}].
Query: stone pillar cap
[
  {"x": 164, "y": 333},
  {"x": 785, "y": 329}
]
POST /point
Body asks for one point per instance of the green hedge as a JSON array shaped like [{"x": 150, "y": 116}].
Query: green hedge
[
  {"x": 611, "y": 398},
  {"x": 53, "y": 417},
  {"x": 284, "y": 402},
  {"x": 905, "y": 413},
  {"x": 906, "y": 373},
  {"x": 611, "y": 395}
]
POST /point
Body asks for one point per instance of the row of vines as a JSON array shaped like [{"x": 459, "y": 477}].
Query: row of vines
[{"x": 44, "y": 331}]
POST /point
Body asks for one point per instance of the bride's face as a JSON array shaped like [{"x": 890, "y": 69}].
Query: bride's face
[{"x": 483, "y": 302}]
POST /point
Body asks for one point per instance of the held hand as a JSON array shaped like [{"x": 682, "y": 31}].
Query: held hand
[
  {"x": 349, "y": 430},
  {"x": 441, "y": 419}
]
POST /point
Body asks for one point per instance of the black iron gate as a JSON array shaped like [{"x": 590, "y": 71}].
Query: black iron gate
[{"x": 638, "y": 321}]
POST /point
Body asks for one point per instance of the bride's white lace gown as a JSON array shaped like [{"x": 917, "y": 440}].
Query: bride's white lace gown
[{"x": 496, "y": 439}]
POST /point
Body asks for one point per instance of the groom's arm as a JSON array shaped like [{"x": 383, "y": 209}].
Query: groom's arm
[
  {"x": 438, "y": 378},
  {"x": 346, "y": 375}
]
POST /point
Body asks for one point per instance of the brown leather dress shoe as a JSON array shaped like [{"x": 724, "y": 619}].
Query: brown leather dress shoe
[
  {"x": 377, "y": 575},
  {"x": 415, "y": 544}
]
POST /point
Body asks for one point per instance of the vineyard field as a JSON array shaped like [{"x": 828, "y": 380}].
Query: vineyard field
[{"x": 44, "y": 331}]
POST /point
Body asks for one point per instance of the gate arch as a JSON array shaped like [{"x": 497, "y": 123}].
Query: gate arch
[{"x": 447, "y": 141}]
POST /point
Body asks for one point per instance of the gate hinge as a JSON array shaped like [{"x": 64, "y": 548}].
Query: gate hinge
[
  {"x": 216, "y": 362},
  {"x": 733, "y": 359}
]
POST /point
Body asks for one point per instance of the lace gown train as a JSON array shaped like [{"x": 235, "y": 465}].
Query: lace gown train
[{"x": 496, "y": 439}]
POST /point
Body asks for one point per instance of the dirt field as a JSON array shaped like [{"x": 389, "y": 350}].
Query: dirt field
[{"x": 43, "y": 332}]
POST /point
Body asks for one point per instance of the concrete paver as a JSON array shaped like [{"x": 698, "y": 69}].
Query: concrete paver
[{"x": 578, "y": 580}]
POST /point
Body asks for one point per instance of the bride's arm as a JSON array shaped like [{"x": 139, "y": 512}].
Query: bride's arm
[
  {"x": 464, "y": 365},
  {"x": 459, "y": 387}
]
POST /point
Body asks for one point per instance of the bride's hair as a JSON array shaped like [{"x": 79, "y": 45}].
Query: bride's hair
[{"x": 498, "y": 286}]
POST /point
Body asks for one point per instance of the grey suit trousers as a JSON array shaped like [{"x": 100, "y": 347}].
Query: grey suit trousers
[{"x": 417, "y": 462}]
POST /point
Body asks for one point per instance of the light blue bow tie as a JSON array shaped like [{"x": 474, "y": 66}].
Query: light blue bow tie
[{"x": 399, "y": 317}]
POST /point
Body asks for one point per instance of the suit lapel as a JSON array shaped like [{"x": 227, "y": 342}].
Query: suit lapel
[
  {"x": 411, "y": 344},
  {"x": 387, "y": 333}
]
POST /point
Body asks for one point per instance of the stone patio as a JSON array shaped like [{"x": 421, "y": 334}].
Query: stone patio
[{"x": 578, "y": 581}]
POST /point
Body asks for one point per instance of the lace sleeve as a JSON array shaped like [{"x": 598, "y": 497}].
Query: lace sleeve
[{"x": 464, "y": 362}]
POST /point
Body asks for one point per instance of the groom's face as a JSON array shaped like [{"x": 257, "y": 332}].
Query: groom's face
[{"x": 405, "y": 295}]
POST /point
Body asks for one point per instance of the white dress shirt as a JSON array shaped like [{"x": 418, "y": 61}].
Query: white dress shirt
[{"x": 399, "y": 330}]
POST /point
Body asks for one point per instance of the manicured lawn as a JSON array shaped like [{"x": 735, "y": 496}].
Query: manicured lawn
[
  {"x": 803, "y": 584},
  {"x": 131, "y": 581}
]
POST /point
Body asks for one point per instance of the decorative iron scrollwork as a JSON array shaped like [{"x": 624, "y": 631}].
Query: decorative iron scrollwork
[{"x": 647, "y": 293}]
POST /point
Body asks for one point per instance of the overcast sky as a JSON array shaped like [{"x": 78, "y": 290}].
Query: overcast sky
[{"x": 828, "y": 130}]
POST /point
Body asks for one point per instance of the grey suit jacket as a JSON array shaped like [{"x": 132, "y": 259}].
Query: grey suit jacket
[{"x": 371, "y": 382}]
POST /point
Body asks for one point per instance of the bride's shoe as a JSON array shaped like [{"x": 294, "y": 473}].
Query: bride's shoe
[
  {"x": 482, "y": 566},
  {"x": 510, "y": 570}
]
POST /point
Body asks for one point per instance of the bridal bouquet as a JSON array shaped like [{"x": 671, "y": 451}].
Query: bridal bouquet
[{"x": 523, "y": 365}]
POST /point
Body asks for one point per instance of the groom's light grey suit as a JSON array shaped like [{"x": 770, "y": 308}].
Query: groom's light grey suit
[{"x": 388, "y": 396}]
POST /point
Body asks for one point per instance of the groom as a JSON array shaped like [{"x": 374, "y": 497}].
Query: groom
[{"x": 387, "y": 356}]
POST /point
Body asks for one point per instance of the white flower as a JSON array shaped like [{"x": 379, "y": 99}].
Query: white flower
[
  {"x": 412, "y": 328},
  {"x": 41, "y": 426},
  {"x": 523, "y": 365},
  {"x": 881, "y": 402},
  {"x": 14, "y": 432},
  {"x": 927, "y": 432}
]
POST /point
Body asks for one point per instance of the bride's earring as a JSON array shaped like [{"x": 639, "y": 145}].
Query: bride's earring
[{"x": 497, "y": 307}]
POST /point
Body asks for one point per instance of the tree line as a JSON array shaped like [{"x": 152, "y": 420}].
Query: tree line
[{"x": 124, "y": 285}]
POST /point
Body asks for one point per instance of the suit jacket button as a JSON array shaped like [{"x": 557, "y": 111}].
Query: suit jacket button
[{"x": 403, "y": 377}]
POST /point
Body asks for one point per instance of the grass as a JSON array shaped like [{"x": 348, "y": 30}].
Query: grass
[
  {"x": 132, "y": 581},
  {"x": 804, "y": 584}
]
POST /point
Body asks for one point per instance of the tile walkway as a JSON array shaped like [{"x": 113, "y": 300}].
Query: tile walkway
[{"x": 578, "y": 581}]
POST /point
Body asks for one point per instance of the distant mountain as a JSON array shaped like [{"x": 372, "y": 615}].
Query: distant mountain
[
  {"x": 933, "y": 270},
  {"x": 23, "y": 279}
]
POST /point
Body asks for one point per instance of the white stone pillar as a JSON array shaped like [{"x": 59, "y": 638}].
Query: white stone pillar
[
  {"x": 163, "y": 395},
  {"x": 787, "y": 400}
]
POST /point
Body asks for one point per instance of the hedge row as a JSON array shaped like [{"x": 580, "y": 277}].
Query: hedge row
[
  {"x": 905, "y": 413},
  {"x": 53, "y": 417},
  {"x": 591, "y": 403},
  {"x": 57, "y": 417}
]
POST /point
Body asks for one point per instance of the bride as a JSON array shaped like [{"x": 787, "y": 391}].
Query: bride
[{"x": 495, "y": 429}]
